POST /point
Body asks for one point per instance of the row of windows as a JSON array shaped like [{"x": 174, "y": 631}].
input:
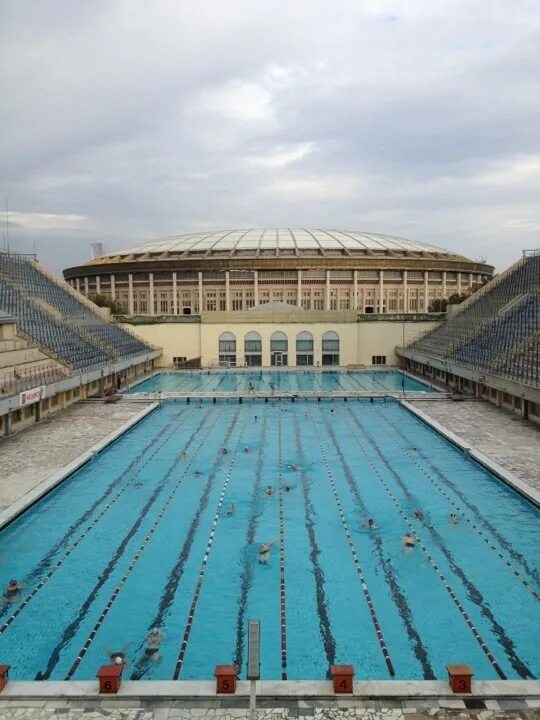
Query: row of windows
[{"x": 279, "y": 349}]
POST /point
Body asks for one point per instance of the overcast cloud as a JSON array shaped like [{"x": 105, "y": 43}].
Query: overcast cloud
[{"x": 129, "y": 120}]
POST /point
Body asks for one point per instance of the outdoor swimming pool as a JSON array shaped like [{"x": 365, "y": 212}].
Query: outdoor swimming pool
[
  {"x": 282, "y": 380},
  {"x": 139, "y": 538}
]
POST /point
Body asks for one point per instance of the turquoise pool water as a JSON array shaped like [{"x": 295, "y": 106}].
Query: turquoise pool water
[
  {"x": 140, "y": 538},
  {"x": 266, "y": 380}
]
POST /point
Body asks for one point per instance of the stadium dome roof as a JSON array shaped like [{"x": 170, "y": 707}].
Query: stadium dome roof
[{"x": 276, "y": 242}]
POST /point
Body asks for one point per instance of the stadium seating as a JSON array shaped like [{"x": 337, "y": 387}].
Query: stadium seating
[
  {"x": 498, "y": 331},
  {"x": 54, "y": 318}
]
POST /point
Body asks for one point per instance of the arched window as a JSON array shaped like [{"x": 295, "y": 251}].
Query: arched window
[
  {"x": 304, "y": 348},
  {"x": 279, "y": 349},
  {"x": 227, "y": 349},
  {"x": 330, "y": 348},
  {"x": 253, "y": 349}
]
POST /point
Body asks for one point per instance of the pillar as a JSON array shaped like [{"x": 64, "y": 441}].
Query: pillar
[
  {"x": 130, "y": 293},
  {"x": 470, "y": 280},
  {"x": 405, "y": 298},
  {"x": 86, "y": 284},
  {"x": 200, "y": 293},
  {"x": 175, "y": 294},
  {"x": 98, "y": 285},
  {"x": 444, "y": 284},
  {"x": 227, "y": 291},
  {"x": 113, "y": 288},
  {"x": 426, "y": 297},
  {"x": 355, "y": 290},
  {"x": 152, "y": 307},
  {"x": 299, "y": 288},
  {"x": 327, "y": 291},
  {"x": 459, "y": 283},
  {"x": 255, "y": 287},
  {"x": 78, "y": 284},
  {"x": 381, "y": 291}
]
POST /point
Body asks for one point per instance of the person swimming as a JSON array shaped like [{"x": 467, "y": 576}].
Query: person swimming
[
  {"x": 408, "y": 541},
  {"x": 153, "y": 640},
  {"x": 11, "y": 593},
  {"x": 230, "y": 510},
  {"x": 294, "y": 468},
  {"x": 454, "y": 518},
  {"x": 224, "y": 451},
  {"x": 369, "y": 523},
  {"x": 418, "y": 514},
  {"x": 269, "y": 490},
  {"x": 246, "y": 449},
  {"x": 265, "y": 551},
  {"x": 118, "y": 657}
]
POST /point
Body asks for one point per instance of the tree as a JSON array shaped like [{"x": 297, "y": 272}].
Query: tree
[{"x": 114, "y": 306}]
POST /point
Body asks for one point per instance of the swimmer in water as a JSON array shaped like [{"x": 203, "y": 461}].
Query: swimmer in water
[
  {"x": 369, "y": 523},
  {"x": 287, "y": 488},
  {"x": 11, "y": 593},
  {"x": 198, "y": 473},
  {"x": 264, "y": 552},
  {"x": 269, "y": 490},
  {"x": 454, "y": 518},
  {"x": 224, "y": 451},
  {"x": 246, "y": 449},
  {"x": 256, "y": 418},
  {"x": 294, "y": 468},
  {"x": 183, "y": 455},
  {"x": 153, "y": 640},
  {"x": 418, "y": 514},
  {"x": 408, "y": 542},
  {"x": 139, "y": 485},
  {"x": 118, "y": 657},
  {"x": 230, "y": 510}
]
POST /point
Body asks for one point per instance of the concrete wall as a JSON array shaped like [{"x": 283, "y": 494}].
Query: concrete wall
[{"x": 359, "y": 341}]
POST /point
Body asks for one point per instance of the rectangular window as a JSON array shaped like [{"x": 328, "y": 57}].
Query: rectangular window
[{"x": 378, "y": 360}]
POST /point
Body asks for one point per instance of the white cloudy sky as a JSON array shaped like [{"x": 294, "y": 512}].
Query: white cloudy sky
[{"x": 124, "y": 120}]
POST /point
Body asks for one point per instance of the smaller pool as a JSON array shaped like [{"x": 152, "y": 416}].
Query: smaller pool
[{"x": 282, "y": 380}]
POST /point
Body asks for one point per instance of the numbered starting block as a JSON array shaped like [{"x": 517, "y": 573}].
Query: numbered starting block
[
  {"x": 110, "y": 677},
  {"x": 4, "y": 672},
  {"x": 459, "y": 677},
  {"x": 226, "y": 679},
  {"x": 342, "y": 676}
]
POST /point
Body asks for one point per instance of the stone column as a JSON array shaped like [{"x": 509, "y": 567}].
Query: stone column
[
  {"x": 255, "y": 287},
  {"x": 200, "y": 293},
  {"x": 175, "y": 294},
  {"x": 470, "y": 280},
  {"x": 227, "y": 291},
  {"x": 299, "y": 288},
  {"x": 459, "y": 283},
  {"x": 426, "y": 297},
  {"x": 98, "y": 285},
  {"x": 78, "y": 284},
  {"x": 113, "y": 288},
  {"x": 130, "y": 293},
  {"x": 381, "y": 291},
  {"x": 444, "y": 284},
  {"x": 152, "y": 294},
  {"x": 405, "y": 298},
  {"x": 355, "y": 290},
  {"x": 86, "y": 285},
  {"x": 327, "y": 291}
]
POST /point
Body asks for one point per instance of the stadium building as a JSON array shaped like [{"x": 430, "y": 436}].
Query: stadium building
[{"x": 204, "y": 298}]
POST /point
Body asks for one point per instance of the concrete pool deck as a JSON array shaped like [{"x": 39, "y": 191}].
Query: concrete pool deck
[{"x": 39, "y": 458}]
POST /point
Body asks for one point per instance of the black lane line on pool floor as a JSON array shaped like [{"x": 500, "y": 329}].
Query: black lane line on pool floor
[
  {"x": 246, "y": 580},
  {"x": 359, "y": 571},
  {"x": 44, "y": 580},
  {"x": 397, "y": 594},
  {"x": 282, "y": 596},
  {"x": 71, "y": 629},
  {"x": 204, "y": 564},
  {"x": 474, "y": 594},
  {"x": 46, "y": 561},
  {"x": 142, "y": 547},
  {"x": 325, "y": 628},
  {"x": 175, "y": 575},
  {"x": 517, "y": 556}
]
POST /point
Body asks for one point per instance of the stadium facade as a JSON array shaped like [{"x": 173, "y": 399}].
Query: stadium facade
[{"x": 315, "y": 270}]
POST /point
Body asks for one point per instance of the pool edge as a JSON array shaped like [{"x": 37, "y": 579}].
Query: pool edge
[
  {"x": 521, "y": 487},
  {"x": 17, "y": 508}
]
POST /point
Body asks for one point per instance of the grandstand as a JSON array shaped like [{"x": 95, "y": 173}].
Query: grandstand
[
  {"x": 49, "y": 314},
  {"x": 493, "y": 338}
]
